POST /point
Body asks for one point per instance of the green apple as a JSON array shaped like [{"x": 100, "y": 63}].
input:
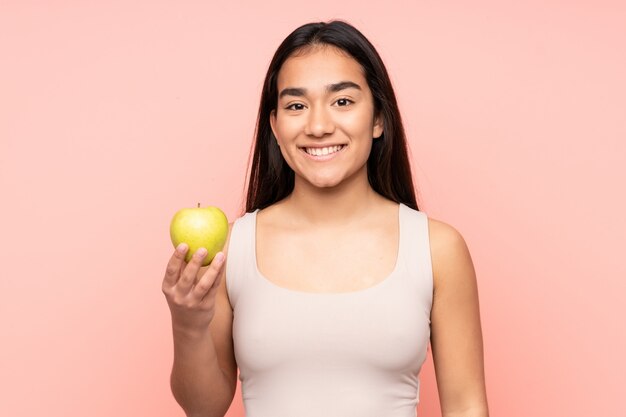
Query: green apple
[{"x": 200, "y": 227}]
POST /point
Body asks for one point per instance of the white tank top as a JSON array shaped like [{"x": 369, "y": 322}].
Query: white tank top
[{"x": 350, "y": 354}]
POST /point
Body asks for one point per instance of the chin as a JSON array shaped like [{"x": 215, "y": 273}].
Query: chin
[
  {"x": 329, "y": 181},
  {"x": 325, "y": 183}
]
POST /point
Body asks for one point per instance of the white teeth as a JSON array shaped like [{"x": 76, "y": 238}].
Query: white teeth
[{"x": 323, "y": 151}]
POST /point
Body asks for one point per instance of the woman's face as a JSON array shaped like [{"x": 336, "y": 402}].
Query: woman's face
[{"x": 324, "y": 122}]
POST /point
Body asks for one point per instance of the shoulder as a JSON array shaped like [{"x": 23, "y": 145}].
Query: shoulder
[
  {"x": 240, "y": 226},
  {"x": 443, "y": 236},
  {"x": 450, "y": 256}
]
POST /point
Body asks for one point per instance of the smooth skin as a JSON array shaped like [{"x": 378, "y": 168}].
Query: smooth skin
[{"x": 333, "y": 217}]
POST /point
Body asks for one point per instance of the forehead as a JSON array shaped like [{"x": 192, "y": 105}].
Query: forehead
[{"x": 318, "y": 67}]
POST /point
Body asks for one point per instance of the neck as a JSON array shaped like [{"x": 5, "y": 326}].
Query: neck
[{"x": 353, "y": 198}]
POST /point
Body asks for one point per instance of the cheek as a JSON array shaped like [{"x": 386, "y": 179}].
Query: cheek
[
  {"x": 286, "y": 130},
  {"x": 358, "y": 123},
  {"x": 286, "y": 134}
]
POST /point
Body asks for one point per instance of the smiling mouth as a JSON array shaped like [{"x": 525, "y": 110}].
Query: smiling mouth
[{"x": 328, "y": 150}]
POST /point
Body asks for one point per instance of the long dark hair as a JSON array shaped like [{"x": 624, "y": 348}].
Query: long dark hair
[{"x": 388, "y": 168}]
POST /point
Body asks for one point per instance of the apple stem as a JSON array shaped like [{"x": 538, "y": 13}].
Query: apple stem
[{"x": 198, "y": 205}]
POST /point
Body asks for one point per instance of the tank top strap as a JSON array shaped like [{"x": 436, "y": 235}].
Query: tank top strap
[
  {"x": 239, "y": 261},
  {"x": 415, "y": 252}
]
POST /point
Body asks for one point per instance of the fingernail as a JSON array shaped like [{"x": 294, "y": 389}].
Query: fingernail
[
  {"x": 181, "y": 248},
  {"x": 201, "y": 252},
  {"x": 219, "y": 257}
]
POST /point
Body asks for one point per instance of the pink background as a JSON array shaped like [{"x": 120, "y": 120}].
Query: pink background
[{"x": 113, "y": 115}]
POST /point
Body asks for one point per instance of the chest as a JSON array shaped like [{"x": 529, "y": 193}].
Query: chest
[
  {"x": 382, "y": 330},
  {"x": 327, "y": 261}
]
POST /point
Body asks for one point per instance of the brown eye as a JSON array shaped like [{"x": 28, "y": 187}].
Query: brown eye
[
  {"x": 295, "y": 106},
  {"x": 342, "y": 102}
]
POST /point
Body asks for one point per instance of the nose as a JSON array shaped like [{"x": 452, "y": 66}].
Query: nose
[{"x": 319, "y": 122}]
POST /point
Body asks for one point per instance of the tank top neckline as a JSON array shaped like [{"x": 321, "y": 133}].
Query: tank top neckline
[{"x": 258, "y": 276}]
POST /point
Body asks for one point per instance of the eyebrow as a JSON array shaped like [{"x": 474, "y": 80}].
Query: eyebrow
[{"x": 331, "y": 88}]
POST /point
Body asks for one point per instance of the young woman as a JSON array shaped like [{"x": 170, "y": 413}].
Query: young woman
[{"x": 335, "y": 281}]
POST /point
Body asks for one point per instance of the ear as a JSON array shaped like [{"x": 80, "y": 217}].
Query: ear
[
  {"x": 273, "y": 122},
  {"x": 378, "y": 126}
]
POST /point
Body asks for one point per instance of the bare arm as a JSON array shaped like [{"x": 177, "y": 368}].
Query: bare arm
[
  {"x": 204, "y": 372},
  {"x": 456, "y": 335}
]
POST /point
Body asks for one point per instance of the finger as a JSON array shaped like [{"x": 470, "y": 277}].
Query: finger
[
  {"x": 183, "y": 264},
  {"x": 210, "y": 279},
  {"x": 188, "y": 277},
  {"x": 172, "y": 271},
  {"x": 211, "y": 294}
]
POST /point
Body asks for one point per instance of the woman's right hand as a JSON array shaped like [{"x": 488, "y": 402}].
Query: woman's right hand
[{"x": 191, "y": 298}]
